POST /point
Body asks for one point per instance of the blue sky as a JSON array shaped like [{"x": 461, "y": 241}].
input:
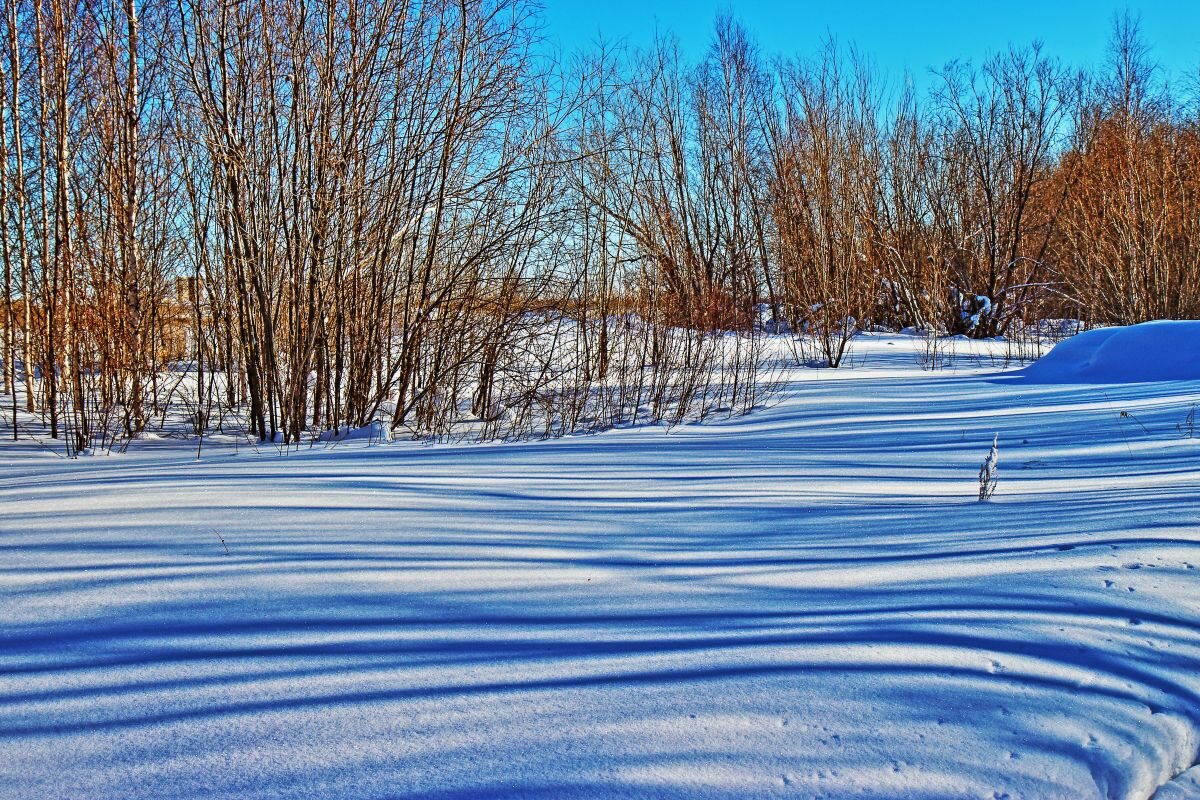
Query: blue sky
[{"x": 899, "y": 36}]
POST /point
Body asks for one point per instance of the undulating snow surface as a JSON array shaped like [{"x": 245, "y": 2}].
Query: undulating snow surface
[{"x": 806, "y": 602}]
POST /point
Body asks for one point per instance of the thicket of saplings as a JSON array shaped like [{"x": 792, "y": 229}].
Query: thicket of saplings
[{"x": 285, "y": 217}]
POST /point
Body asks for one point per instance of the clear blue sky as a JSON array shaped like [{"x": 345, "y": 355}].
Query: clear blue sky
[{"x": 899, "y": 35}]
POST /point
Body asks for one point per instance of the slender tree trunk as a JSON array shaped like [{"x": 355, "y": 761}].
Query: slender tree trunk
[{"x": 50, "y": 272}]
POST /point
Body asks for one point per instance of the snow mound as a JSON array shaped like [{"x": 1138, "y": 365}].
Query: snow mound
[
  {"x": 1167, "y": 350},
  {"x": 374, "y": 431}
]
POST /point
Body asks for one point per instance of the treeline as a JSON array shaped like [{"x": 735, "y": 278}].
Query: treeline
[{"x": 297, "y": 217}]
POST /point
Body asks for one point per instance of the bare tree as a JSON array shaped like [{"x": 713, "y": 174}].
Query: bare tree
[
  {"x": 998, "y": 129},
  {"x": 827, "y": 174},
  {"x": 1132, "y": 223}
]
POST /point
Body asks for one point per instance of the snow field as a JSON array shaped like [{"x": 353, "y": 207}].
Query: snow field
[{"x": 805, "y": 602}]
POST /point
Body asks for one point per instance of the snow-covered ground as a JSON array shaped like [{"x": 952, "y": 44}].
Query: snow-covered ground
[{"x": 805, "y": 602}]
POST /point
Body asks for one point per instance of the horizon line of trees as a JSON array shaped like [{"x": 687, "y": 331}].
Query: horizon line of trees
[{"x": 335, "y": 212}]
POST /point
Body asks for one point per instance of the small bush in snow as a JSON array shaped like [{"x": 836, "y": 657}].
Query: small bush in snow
[
  {"x": 936, "y": 349},
  {"x": 1187, "y": 428},
  {"x": 987, "y": 472}
]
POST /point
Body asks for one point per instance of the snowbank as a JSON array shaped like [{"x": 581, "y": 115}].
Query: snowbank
[
  {"x": 375, "y": 431},
  {"x": 1167, "y": 350}
]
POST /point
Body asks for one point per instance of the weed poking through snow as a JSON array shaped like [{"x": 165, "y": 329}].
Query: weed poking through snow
[
  {"x": 1187, "y": 428},
  {"x": 987, "y": 471}
]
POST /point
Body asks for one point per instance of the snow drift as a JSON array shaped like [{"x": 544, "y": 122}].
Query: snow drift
[
  {"x": 1167, "y": 350},
  {"x": 808, "y": 601}
]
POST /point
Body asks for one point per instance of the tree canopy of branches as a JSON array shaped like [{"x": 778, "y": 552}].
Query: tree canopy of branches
[{"x": 290, "y": 218}]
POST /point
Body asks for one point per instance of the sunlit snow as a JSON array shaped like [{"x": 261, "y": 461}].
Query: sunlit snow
[{"x": 808, "y": 601}]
